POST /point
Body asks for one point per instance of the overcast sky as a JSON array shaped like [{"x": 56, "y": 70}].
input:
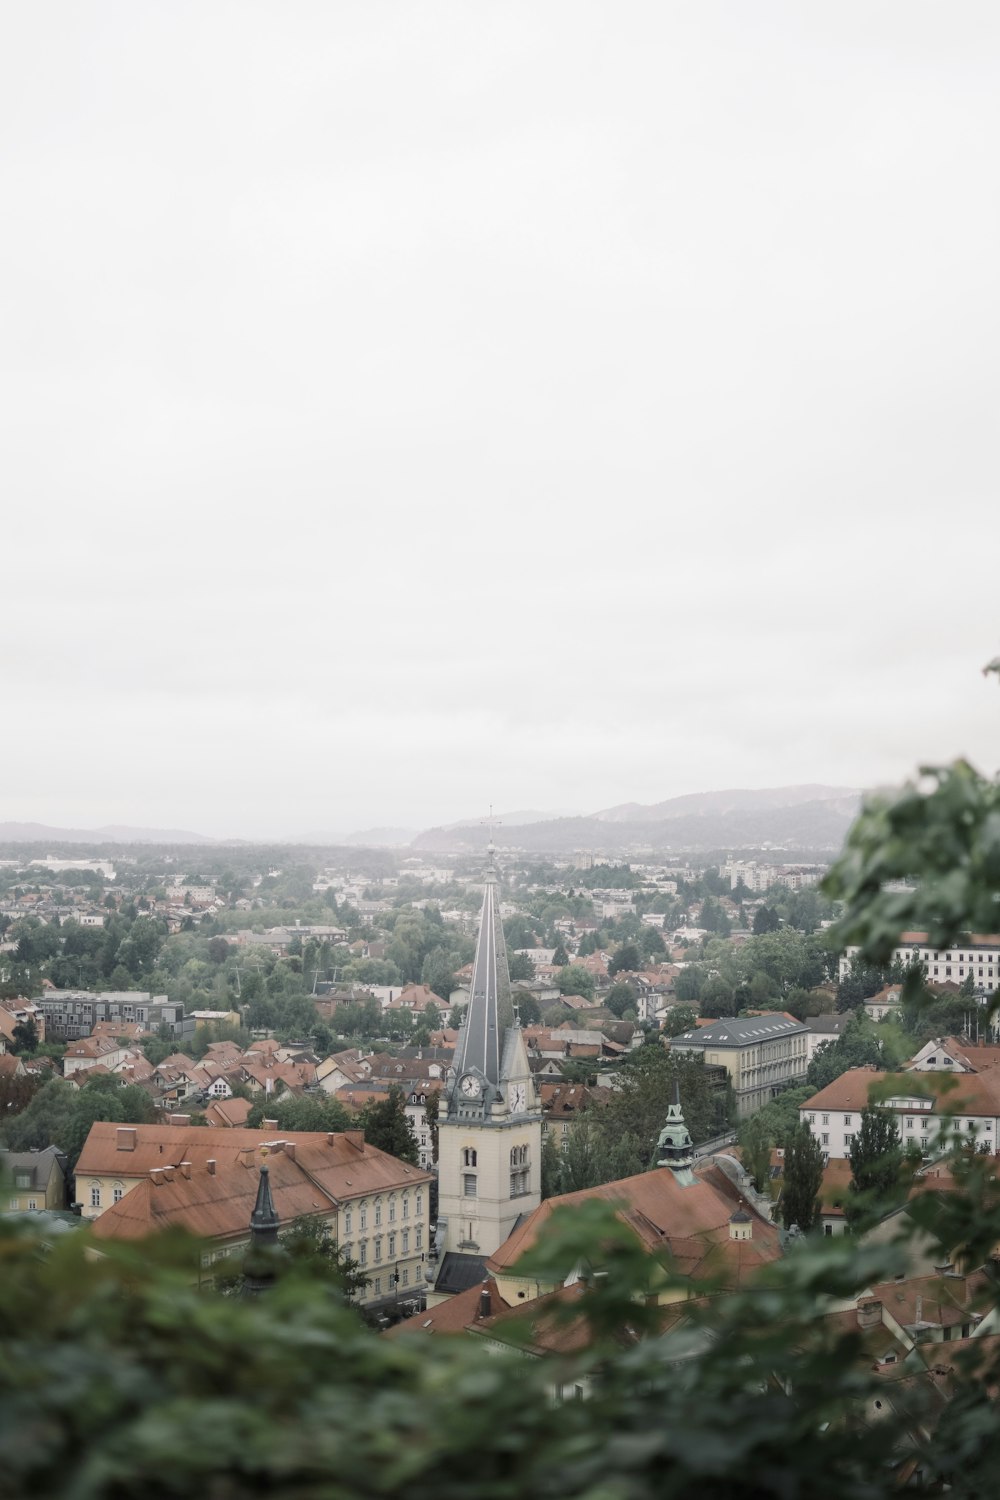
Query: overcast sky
[{"x": 407, "y": 407}]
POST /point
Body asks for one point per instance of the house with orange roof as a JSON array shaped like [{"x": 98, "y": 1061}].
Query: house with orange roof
[
  {"x": 930, "y": 1108},
  {"x": 90, "y": 1050},
  {"x": 146, "y": 1178},
  {"x": 951, "y": 1054},
  {"x": 228, "y": 1114}
]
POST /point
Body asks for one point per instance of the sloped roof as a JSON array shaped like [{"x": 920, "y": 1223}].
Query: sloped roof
[
  {"x": 690, "y": 1223},
  {"x": 458, "y": 1272},
  {"x": 228, "y": 1113},
  {"x": 949, "y": 1093},
  {"x": 742, "y": 1031},
  {"x": 340, "y": 1162},
  {"x": 213, "y": 1205},
  {"x": 450, "y": 1317}
]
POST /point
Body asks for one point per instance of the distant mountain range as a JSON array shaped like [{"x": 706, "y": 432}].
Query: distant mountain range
[
  {"x": 799, "y": 817},
  {"x": 112, "y": 833},
  {"x": 813, "y": 818}
]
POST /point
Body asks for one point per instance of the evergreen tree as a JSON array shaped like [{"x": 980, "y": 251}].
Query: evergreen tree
[
  {"x": 386, "y": 1126},
  {"x": 551, "y": 1167},
  {"x": 876, "y": 1158},
  {"x": 25, "y": 1037},
  {"x": 756, "y": 1140},
  {"x": 803, "y": 1178}
]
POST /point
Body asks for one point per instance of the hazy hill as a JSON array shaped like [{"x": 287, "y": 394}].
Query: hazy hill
[
  {"x": 114, "y": 833},
  {"x": 724, "y": 803},
  {"x": 808, "y": 817}
]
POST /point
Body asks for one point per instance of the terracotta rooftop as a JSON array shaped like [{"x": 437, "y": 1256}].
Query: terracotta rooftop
[
  {"x": 690, "y": 1223},
  {"x": 340, "y": 1163},
  {"x": 949, "y": 1093}
]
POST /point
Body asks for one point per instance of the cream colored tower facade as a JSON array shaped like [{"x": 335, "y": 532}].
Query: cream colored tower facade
[{"x": 490, "y": 1133}]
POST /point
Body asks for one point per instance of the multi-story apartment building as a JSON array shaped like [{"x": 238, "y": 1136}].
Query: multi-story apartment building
[
  {"x": 758, "y": 877},
  {"x": 133, "y": 1180},
  {"x": 930, "y": 1107},
  {"x": 762, "y": 1054},
  {"x": 72, "y": 1014},
  {"x": 977, "y": 957}
]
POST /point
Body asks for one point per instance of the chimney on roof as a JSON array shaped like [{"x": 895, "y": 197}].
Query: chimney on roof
[
  {"x": 356, "y": 1138},
  {"x": 269, "y": 1124},
  {"x": 186, "y": 1170},
  {"x": 126, "y": 1137},
  {"x": 288, "y": 1147},
  {"x": 156, "y": 1175},
  {"x": 246, "y": 1156},
  {"x": 178, "y": 1120},
  {"x": 210, "y": 1164},
  {"x": 168, "y": 1173},
  {"x": 485, "y": 1304},
  {"x": 869, "y": 1313}
]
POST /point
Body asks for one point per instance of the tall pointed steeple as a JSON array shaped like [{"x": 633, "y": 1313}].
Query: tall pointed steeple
[
  {"x": 490, "y": 1135},
  {"x": 490, "y": 1012}
]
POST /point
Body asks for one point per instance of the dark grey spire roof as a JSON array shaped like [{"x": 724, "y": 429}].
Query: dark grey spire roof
[
  {"x": 264, "y": 1250},
  {"x": 490, "y": 1012}
]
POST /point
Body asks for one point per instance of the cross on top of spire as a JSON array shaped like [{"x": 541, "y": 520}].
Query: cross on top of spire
[{"x": 492, "y": 824}]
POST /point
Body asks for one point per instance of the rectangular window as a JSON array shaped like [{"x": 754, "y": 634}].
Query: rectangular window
[
  {"x": 406, "y": 1201},
  {"x": 847, "y": 1119},
  {"x": 363, "y": 1253},
  {"x": 469, "y": 1184},
  {"x": 420, "y": 1204},
  {"x": 32, "y": 1202},
  {"x": 364, "y": 1218},
  {"x": 406, "y": 1241},
  {"x": 117, "y": 1194},
  {"x": 378, "y": 1249},
  {"x": 420, "y": 1236},
  {"x": 378, "y": 1286},
  {"x": 392, "y": 1246},
  {"x": 826, "y": 1119},
  {"x": 347, "y": 1221},
  {"x": 848, "y": 1137},
  {"x": 406, "y": 1276},
  {"x": 392, "y": 1210},
  {"x": 95, "y": 1197},
  {"x": 826, "y": 1140}
]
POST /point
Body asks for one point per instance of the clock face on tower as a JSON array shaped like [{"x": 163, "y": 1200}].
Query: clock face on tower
[
  {"x": 518, "y": 1098},
  {"x": 470, "y": 1086}
]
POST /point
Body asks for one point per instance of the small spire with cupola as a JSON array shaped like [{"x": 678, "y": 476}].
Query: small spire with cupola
[{"x": 674, "y": 1147}]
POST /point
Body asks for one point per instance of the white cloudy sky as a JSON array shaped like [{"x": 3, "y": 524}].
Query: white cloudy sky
[{"x": 411, "y": 406}]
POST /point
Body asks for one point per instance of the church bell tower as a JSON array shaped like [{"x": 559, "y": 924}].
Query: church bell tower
[{"x": 490, "y": 1131}]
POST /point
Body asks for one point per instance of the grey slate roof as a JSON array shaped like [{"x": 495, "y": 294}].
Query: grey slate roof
[
  {"x": 458, "y": 1272},
  {"x": 739, "y": 1031}
]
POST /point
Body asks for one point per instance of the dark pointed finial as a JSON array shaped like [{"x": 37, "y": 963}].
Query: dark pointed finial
[{"x": 264, "y": 1250}]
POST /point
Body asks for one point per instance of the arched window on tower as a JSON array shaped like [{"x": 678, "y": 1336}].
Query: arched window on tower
[{"x": 468, "y": 1157}]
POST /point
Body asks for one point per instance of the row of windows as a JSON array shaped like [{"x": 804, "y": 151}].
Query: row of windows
[
  {"x": 390, "y": 1246},
  {"x": 117, "y": 1194},
  {"x": 418, "y": 1208}
]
